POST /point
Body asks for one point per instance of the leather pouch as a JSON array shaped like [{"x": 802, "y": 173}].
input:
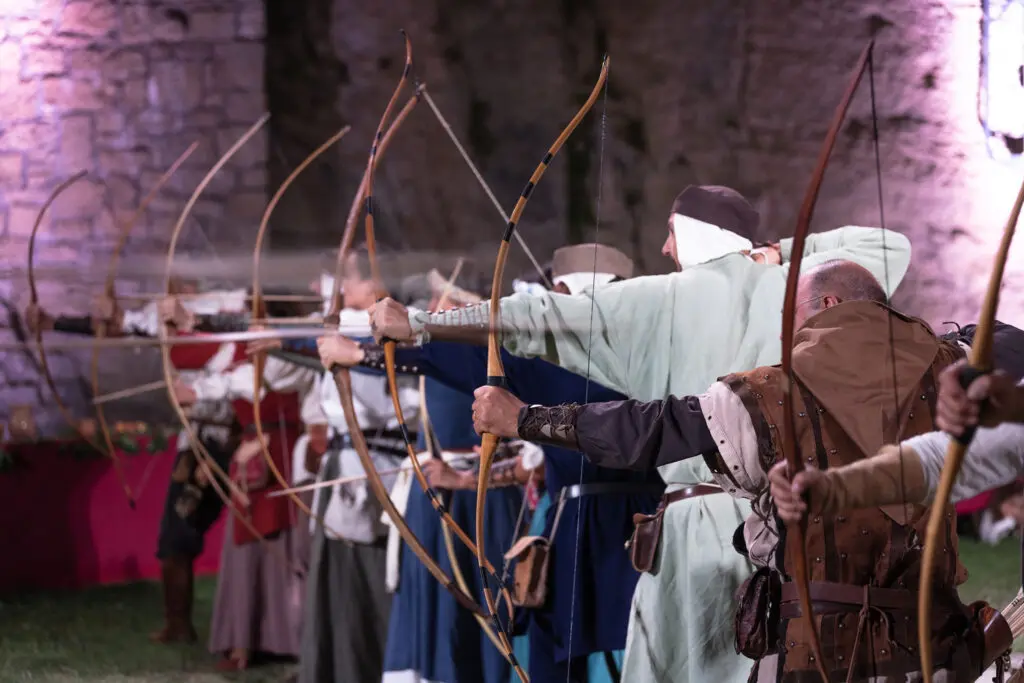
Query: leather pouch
[
  {"x": 757, "y": 614},
  {"x": 643, "y": 546},
  {"x": 530, "y": 587}
]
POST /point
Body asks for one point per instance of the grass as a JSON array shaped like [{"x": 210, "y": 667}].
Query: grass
[{"x": 100, "y": 635}]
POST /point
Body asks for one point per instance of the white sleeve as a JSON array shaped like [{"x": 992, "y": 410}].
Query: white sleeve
[
  {"x": 994, "y": 458},
  {"x": 730, "y": 425},
  {"x": 312, "y": 412},
  {"x": 299, "y": 472},
  {"x": 143, "y": 322},
  {"x": 214, "y": 387},
  {"x": 281, "y": 375}
]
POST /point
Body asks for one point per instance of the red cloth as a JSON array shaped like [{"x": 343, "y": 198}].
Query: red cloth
[
  {"x": 976, "y": 504},
  {"x": 193, "y": 356},
  {"x": 65, "y": 523},
  {"x": 282, "y": 426}
]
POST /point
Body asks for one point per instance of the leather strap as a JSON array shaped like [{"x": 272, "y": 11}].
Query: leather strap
[
  {"x": 694, "y": 491},
  {"x": 846, "y": 596}
]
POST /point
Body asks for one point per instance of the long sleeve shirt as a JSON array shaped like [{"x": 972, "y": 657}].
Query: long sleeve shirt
[
  {"x": 995, "y": 457},
  {"x": 676, "y": 334}
]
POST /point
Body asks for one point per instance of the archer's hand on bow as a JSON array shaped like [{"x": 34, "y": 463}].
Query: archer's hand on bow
[
  {"x": 336, "y": 349},
  {"x": 262, "y": 345},
  {"x": 172, "y": 312},
  {"x": 389, "y": 321},
  {"x": 37, "y": 320},
  {"x": 185, "y": 394},
  {"x": 496, "y": 411},
  {"x": 106, "y": 312},
  {"x": 791, "y": 495},
  {"x": 441, "y": 475},
  {"x": 988, "y": 401}
]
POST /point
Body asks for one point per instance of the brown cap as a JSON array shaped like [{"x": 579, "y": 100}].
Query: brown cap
[
  {"x": 587, "y": 258},
  {"x": 721, "y": 206}
]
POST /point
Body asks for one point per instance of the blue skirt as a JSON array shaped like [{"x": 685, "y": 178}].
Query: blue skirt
[{"x": 430, "y": 636}]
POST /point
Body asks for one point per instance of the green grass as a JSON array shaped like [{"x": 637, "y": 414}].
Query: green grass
[{"x": 100, "y": 635}]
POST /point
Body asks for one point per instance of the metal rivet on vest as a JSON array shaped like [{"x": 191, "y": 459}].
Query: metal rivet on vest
[
  {"x": 911, "y": 414},
  {"x": 863, "y": 532},
  {"x": 841, "y": 625},
  {"x": 885, "y": 652},
  {"x": 881, "y": 554},
  {"x": 811, "y": 658},
  {"x": 803, "y": 414},
  {"x": 840, "y": 519},
  {"x": 840, "y": 658},
  {"x": 817, "y": 559},
  {"x": 766, "y": 376},
  {"x": 771, "y": 426},
  {"x": 923, "y": 397},
  {"x": 817, "y": 519},
  {"x": 780, "y": 403},
  {"x": 792, "y": 644},
  {"x": 821, "y": 410},
  {"x": 810, "y": 458}
]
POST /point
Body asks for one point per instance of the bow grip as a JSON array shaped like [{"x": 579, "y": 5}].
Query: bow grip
[{"x": 966, "y": 376}]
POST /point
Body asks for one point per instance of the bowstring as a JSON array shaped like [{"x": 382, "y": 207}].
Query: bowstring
[
  {"x": 590, "y": 346},
  {"x": 885, "y": 266}
]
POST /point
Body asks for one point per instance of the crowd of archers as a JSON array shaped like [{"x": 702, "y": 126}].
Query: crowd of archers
[{"x": 642, "y": 422}]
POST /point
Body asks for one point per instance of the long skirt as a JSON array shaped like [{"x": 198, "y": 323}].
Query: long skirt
[
  {"x": 347, "y": 607},
  {"x": 258, "y": 604},
  {"x": 431, "y": 639}
]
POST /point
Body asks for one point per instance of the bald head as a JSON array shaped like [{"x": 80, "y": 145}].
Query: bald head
[{"x": 834, "y": 282}]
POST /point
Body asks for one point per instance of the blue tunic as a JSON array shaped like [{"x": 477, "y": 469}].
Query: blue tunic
[
  {"x": 594, "y": 604},
  {"x": 428, "y": 632}
]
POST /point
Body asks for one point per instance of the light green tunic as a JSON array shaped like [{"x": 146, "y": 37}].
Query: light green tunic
[{"x": 677, "y": 334}]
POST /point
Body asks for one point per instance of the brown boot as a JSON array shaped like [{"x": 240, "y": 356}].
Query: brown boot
[{"x": 178, "y": 581}]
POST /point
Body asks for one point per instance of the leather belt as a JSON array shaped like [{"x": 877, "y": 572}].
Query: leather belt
[
  {"x": 694, "y": 491},
  {"x": 619, "y": 487},
  {"x": 373, "y": 442},
  {"x": 830, "y": 597}
]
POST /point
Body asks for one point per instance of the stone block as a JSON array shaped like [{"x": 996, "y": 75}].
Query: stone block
[
  {"x": 176, "y": 86},
  {"x": 19, "y": 9},
  {"x": 212, "y": 25},
  {"x": 42, "y": 60},
  {"x": 20, "y": 99},
  {"x": 10, "y": 57},
  {"x": 82, "y": 200},
  {"x": 64, "y": 94},
  {"x": 129, "y": 162},
  {"x": 77, "y": 140},
  {"x": 88, "y": 18},
  {"x": 12, "y": 171},
  {"x": 251, "y": 22},
  {"x": 239, "y": 66},
  {"x": 20, "y": 219},
  {"x": 124, "y": 65}
]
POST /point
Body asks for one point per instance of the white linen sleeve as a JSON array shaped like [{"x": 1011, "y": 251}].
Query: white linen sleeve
[
  {"x": 143, "y": 322},
  {"x": 994, "y": 458},
  {"x": 730, "y": 425}
]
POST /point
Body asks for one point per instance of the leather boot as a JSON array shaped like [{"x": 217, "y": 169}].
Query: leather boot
[{"x": 178, "y": 579}]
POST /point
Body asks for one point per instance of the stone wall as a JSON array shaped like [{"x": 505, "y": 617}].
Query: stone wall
[
  {"x": 738, "y": 93},
  {"x": 118, "y": 89}
]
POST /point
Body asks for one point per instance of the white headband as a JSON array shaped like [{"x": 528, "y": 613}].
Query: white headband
[
  {"x": 699, "y": 242},
  {"x": 577, "y": 282}
]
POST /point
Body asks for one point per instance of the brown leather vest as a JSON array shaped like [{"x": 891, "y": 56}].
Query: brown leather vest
[{"x": 876, "y": 548}]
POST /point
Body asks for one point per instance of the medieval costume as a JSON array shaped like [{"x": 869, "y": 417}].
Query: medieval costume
[
  {"x": 191, "y": 506},
  {"x": 256, "y": 608},
  {"x": 347, "y": 602},
  {"x": 590, "y": 579},
  {"x": 864, "y": 562},
  {"x": 431, "y": 639},
  {"x": 708, "y": 320}
]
